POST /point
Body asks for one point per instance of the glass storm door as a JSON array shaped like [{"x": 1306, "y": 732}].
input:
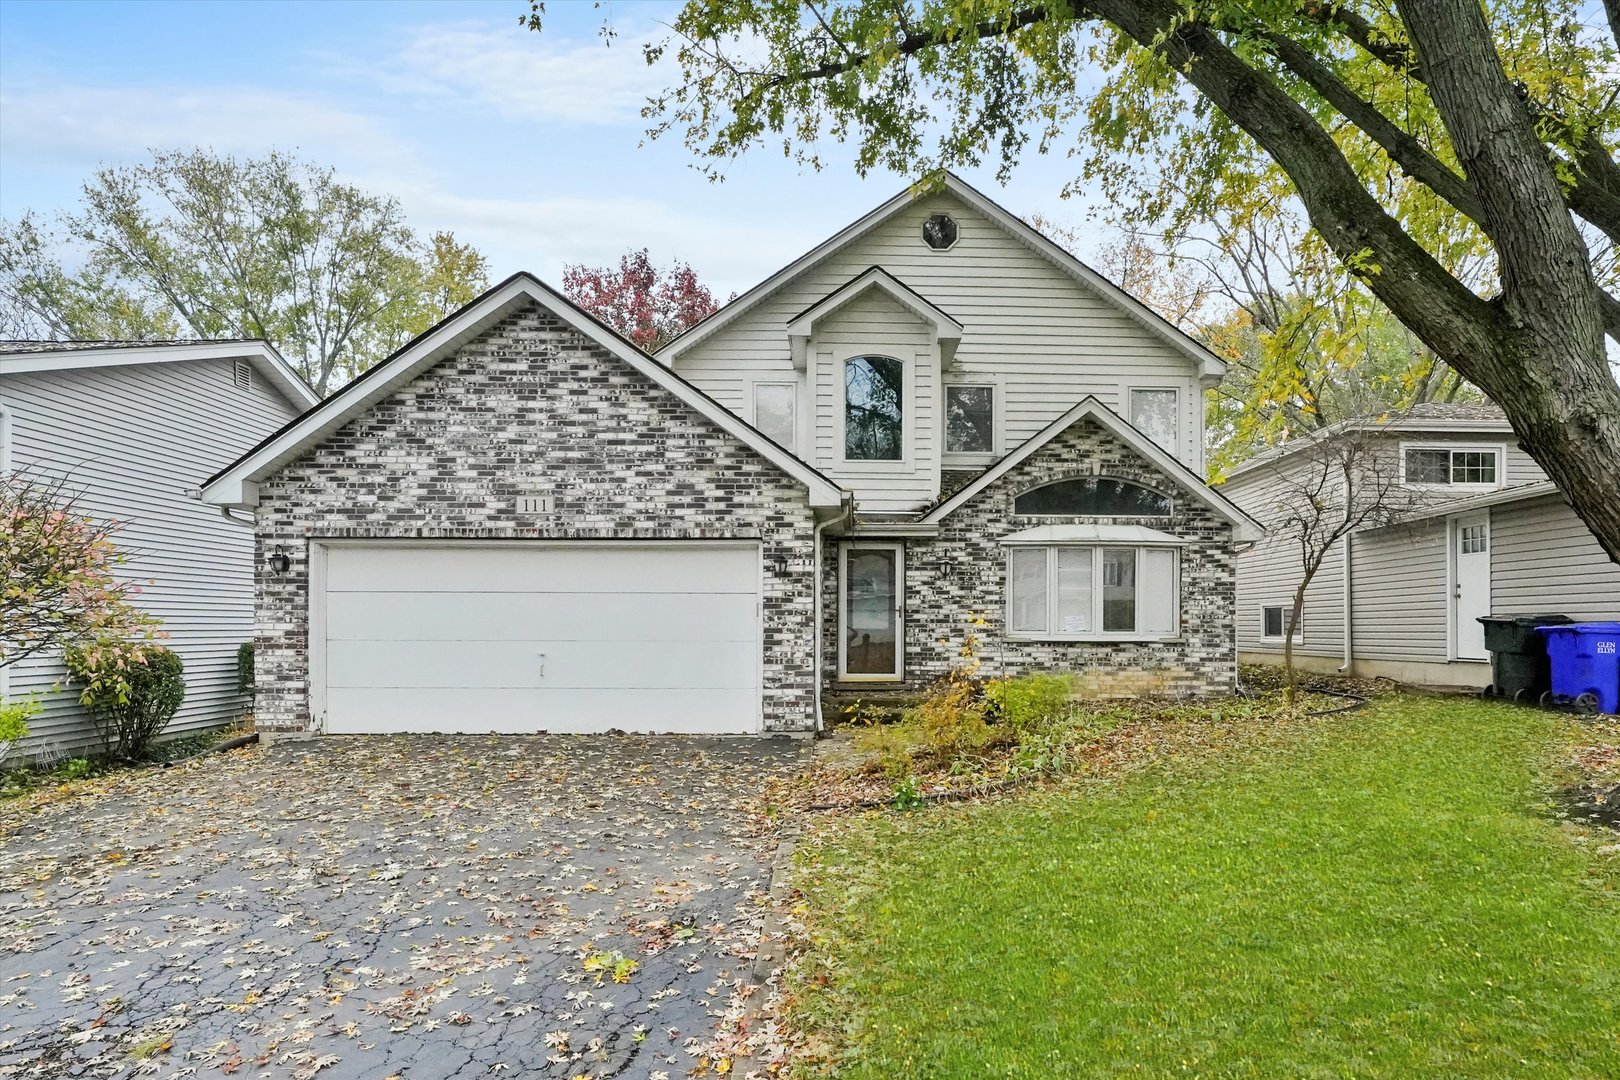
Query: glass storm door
[{"x": 871, "y": 632}]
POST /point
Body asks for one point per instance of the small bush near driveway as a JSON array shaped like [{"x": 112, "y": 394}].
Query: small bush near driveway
[{"x": 131, "y": 690}]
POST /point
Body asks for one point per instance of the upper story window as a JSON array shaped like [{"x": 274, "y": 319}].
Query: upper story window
[
  {"x": 939, "y": 232},
  {"x": 1153, "y": 413},
  {"x": 776, "y": 412},
  {"x": 1092, "y": 496},
  {"x": 874, "y": 409},
  {"x": 1452, "y": 466},
  {"x": 970, "y": 420}
]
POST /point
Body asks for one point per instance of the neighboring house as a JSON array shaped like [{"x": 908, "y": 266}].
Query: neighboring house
[
  {"x": 132, "y": 426},
  {"x": 521, "y": 522},
  {"x": 1492, "y": 536}
]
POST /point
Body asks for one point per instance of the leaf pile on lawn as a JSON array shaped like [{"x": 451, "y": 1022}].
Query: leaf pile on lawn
[
  {"x": 1591, "y": 795},
  {"x": 969, "y": 736}
]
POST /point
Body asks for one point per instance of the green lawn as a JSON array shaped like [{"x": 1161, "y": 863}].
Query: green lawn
[{"x": 1379, "y": 894}]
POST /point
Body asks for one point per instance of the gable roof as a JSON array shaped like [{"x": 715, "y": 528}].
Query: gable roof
[
  {"x": 236, "y": 484},
  {"x": 1207, "y": 363},
  {"x": 1247, "y": 528},
  {"x": 947, "y": 332},
  {"x": 19, "y": 357},
  {"x": 1433, "y": 417}
]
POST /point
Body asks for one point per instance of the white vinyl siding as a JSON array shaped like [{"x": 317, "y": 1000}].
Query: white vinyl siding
[
  {"x": 1050, "y": 340},
  {"x": 563, "y": 637},
  {"x": 1545, "y": 560},
  {"x": 1399, "y": 605},
  {"x": 135, "y": 439},
  {"x": 874, "y": 324},
  {"x": 1269, "y": 572}
]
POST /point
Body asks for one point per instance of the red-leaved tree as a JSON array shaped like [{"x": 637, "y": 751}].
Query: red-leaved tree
[{"x": 648, "y": 304}]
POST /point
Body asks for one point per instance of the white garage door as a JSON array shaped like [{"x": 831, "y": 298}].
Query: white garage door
[{"x": 519, "y": 638}]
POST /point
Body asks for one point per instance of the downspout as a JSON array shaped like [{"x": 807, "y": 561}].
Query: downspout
[
  {"x": 1349, "y": 622},
  {"x": 845, "y": 507}
]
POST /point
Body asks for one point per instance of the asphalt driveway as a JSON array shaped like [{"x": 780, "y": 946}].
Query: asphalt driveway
[{"x": 416, "y": 907}]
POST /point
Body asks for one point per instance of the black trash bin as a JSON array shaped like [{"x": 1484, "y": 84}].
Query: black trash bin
[{"x": 1519, "y": 666}]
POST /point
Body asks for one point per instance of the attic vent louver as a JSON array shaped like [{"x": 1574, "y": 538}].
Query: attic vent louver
[{"x": 244, "y": 375}]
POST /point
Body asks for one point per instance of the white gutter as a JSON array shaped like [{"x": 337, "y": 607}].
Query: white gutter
[
  {"x": 815, "y": 604},
  {"x": 1349, "y": 627}
]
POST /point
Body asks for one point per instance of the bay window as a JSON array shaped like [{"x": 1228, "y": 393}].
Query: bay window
[{"x": 1069, "y": 591}]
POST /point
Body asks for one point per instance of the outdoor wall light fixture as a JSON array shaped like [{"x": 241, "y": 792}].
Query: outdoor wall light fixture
[{"x": 279, "y": 562}]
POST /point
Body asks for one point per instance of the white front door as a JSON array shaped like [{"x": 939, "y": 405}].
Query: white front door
[
  {"x": 494, "y": 636},
  {"x": 1471, "y": 581},
  {"x": 871, "y": 627}
]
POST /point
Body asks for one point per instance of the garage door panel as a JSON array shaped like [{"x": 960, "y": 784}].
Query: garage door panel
[
  {"x": 523, "y": 712},
  {"x": 647, "y": 637},
  {"x": 413, "y": 616},
  {"x": 632, "y": 568},
  {"x": 478, "y": 665}
]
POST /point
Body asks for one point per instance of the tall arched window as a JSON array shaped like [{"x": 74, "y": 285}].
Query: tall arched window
[
  {"x": 874, "y": 408},
  {"x": 1092, "y": 496}
]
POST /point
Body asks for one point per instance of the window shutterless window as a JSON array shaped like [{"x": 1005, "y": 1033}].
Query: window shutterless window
[
  {"x": 776, "y": 410},
  {"x": 1153, "y": 413},
  {"x": 1077, "y": 592},
  {"x": 970, "y": 420},
  {"x": 1274, "y": 619},
  {"x": 874, "y": 409},
  {"x": 1479, "y": 466}
]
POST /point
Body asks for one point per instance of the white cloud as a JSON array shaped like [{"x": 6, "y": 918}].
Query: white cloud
[
  {"x": 106, "y": 123},
  {"x": 545, "y": 233},
  {"x": 519, "y": 75}
]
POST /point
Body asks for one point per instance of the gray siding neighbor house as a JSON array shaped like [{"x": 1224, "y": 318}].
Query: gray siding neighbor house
[
  {"x": 1493, "y": 536},
  {"x": 133, "y": 427},
  {"x": 935, "y": 422}
]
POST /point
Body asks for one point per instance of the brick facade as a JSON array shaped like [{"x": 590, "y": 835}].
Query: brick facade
[
  {"x": 531, "y": 406},
  {"x": 962, "y": 572}
]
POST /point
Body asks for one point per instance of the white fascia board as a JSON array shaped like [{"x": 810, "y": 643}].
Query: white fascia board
[
  {"x": 1210, "y": 367},
  {"x": 1245, "y": 527},
  {"x": 264, "y": 358},
  {"x": 228, "y": 489},
  {"x": 722, "y": 318},
  {"x": 943, "y": 325},
  {"x": 1373, "y": 425},
  {"x": 1206, "y": 363}
]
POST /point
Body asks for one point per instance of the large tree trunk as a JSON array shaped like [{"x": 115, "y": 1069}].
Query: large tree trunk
[
  {"x": 1551, "y": 374},
  {"x": 1538, "y": 348}
]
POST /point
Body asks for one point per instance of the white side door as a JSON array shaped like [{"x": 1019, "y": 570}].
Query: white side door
[{"x": 1471, "y": 582}]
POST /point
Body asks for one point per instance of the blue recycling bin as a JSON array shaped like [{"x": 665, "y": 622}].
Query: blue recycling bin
[{"x": 1585, "y": 665}]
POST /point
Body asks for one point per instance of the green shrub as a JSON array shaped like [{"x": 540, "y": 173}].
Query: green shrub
[
  {"x": 244, "y": 667},
  {"x": 14, "y": 717},
  {"x": 131, "y": 690},
  {"x": 1029, "y": 703},
  {"x": 75, "y": 769}
]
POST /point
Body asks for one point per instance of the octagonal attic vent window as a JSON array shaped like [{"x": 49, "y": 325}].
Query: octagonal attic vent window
[{"x": 939, "y": 232}]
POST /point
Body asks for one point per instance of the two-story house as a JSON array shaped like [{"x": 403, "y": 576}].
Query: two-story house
[
  {"x": 937, "y": 422},
  {"x": 126, "y": 427},
  {"x": 1486, "y": 534}
]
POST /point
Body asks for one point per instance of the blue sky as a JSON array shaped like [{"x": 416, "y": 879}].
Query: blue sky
[{"x": 529, "y": 146}]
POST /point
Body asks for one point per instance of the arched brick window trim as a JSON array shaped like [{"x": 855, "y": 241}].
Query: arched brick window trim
[{"x": 1092, "y": 496}]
